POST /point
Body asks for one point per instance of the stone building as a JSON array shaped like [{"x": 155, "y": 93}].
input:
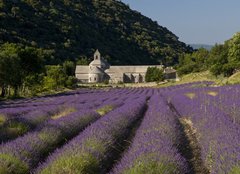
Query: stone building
[
  {"x": 170, "y": 73},
  {"x": 100, "y": 71}
]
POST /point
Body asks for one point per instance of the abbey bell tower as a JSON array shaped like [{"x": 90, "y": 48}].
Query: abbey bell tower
[{"x": 97, "y": 55}]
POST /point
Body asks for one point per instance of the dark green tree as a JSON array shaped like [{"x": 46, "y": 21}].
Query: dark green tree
[
  {"x": 82, "y": 61},
  {"x": 10, "y": 67},
  {"x": 69, "y": 68},
  {"x": 218, "y": 57},
  {"x": 154, "y": 74},
  {"x": 19, "y": 64}
]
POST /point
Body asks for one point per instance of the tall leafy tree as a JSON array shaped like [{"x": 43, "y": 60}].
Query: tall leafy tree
[
  {"x": 31, "y": 60},
  {"x": 17, "y": 63},
  {"x": 218, "y": 57},
  {"x": 234, "y": 48},
  {"x": 10, "y": 66}
]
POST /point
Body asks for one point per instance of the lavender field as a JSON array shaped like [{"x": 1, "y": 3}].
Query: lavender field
[{"x": 186, "y": 129}]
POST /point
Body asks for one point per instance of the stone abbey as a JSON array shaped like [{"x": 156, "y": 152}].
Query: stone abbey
[{"x": 99, "y": 70}]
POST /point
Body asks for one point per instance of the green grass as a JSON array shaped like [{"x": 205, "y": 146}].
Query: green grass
[
  {"x": 10, "y": 163},
  {"x": 13, "y": 130},
  {"x": 207, "y": 76},
  {"x": 80, "y": 162},
  {"x": 234, "y": 79},
  {"x": 84, "y": 163},
  {"x": 2, "y": 119},
  {"x": 235, "y": 170},
  {"x": 152, "y": 167},
  {"x": 197, "y": 77}
]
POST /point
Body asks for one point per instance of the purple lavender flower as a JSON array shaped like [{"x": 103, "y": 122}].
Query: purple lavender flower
[
  {"x": 153, "y": 149},
  {"x": 218, "y": 137},
  {"x": 90, "y": 151},
  {"x": 25, "y": 152}
]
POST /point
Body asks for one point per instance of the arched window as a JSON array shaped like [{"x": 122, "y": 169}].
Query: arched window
[{"x": 96, "y": 57}]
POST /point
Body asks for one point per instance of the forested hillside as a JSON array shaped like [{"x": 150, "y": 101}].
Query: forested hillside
[{"x": 73, "y": 29}]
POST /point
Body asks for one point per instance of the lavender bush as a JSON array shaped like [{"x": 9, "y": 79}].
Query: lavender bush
[
  {"x": 218, "y": 137},
  {"x": 90, "y": 151},
  {"x": 25, "y": 152},
  {"x": 154, "y": 147}
]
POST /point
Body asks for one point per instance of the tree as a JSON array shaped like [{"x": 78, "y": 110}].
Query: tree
[
  {"x": 69, "y": 68},
  {"x": 193, "y": 62},
  {"x": 71, "y": 82},
  {"x": 154, "y": 74},
  {"x": 10, "y": 67},
  {"x": 234, "y": 48},
  {"x": 2, "y": 77},
  {"x": 218, "y": 57},
  {"x": 82, "y": 61},
  {"x": 32, "y": 61},
  {"x": 55, "y": 77},
  {"x": 234, "y": 52},
  {"x": 225, "y": 59},
  {"x": 18, "y": 63}
]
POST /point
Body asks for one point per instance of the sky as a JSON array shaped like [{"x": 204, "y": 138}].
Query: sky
[{"x": 193, "y": 21}]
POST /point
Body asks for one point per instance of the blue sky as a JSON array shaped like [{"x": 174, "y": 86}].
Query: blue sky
[{"x": 193, "y": 21}]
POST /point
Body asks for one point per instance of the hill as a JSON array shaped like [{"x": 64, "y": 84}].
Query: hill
[{"x": 74, "y": 29}]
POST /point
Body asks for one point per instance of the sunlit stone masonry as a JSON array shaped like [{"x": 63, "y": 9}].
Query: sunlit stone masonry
[{"x": 99, "y": 70}]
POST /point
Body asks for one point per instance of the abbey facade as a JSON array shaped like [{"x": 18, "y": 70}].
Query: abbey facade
[{"x": 100, "y": 71}]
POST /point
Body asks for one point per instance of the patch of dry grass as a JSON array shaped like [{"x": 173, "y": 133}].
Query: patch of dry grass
[
  {"x": 191, "y": 134},
  {"x": 105, "y": 109},
  {"x": 212, "y": 93},
  {"x": 190, "y": 95},
  {"x": 63, "y": 113}
]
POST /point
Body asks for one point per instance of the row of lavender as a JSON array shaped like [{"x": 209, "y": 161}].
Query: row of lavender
[
  {"x": 92, "y": 151},
  {"x": 24, "y": 153},
  {"x": 207, "y": 112},
  {"x": 16, "y": 121},
  {"x": 154, "y": 148},
  {"x": 213, "y": 109}
]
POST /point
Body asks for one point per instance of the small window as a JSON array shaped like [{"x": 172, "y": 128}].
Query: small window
[
  {"x": 95, "y": 78},
  {"x": 90, "y": 79},
  {"x": 96, "y": 57}
]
